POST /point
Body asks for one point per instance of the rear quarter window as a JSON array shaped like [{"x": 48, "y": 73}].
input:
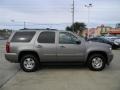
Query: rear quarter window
[{"x": 23, "y": 36}]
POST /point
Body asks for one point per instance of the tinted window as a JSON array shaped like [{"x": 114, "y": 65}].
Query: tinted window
[
  {"x": 67, "y": 38},
  {"x": 100, "y": 40},
  {"x": 93, "y": 39},
  {"x": 46, "y": 37},
  {"x": 23, "y": 36},
  {"x": 106, "y": 41},
  {"x": 96, "y": 39}
]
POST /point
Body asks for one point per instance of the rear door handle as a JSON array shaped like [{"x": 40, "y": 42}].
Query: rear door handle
[
  {"x": 62, "y": 46},
  {"x": 39, "y": 46}
]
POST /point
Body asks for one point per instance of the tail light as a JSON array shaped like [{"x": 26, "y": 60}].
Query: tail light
[{"x": 8, "y": 47}]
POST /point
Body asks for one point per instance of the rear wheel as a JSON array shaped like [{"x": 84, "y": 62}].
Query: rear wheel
[
  {"x": 96, "y": 62},
  {"x": 29, "y": 63}
]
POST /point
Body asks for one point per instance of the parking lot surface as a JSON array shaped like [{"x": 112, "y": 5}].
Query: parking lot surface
[
  {"x": 7, "y": 70},
  {"x": 62, "y": 77}
]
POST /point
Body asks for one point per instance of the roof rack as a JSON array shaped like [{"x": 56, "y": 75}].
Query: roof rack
[{"x": 37, "y": 29}]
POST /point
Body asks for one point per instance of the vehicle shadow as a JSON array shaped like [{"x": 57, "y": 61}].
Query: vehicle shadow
[
  {"x": 62, "y": 65},
  {"x": 117, "y": 49}
]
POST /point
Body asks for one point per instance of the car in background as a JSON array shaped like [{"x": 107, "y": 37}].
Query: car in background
[
  {"x": 111, "y": 38},
  {"x": 117, "y": 41},
  {"x": 114, "y": 45}
]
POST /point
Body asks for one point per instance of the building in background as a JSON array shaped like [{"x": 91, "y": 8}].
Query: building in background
[
  {"x": 101, "y": 31},
  {"x": 115, "y": 32},
  {"x": 118, "y": 25}
]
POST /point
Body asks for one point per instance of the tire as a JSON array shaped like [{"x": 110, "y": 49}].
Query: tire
[
  {"x": 96, "y": 62},
  {"x": 29, "y": 63}
]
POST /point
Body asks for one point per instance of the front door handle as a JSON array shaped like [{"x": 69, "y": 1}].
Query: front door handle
[{"x": 62, "y": 46}]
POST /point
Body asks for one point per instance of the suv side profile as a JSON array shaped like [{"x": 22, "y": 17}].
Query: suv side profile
[{"x": 30, "y": 48}]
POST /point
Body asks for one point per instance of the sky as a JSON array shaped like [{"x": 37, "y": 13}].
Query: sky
[{"x": 57, "y": 13}]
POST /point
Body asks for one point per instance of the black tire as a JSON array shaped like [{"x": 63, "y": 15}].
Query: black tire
[
  {"x": 90, "y": 62},
  {"x": 33, "y": 58}
]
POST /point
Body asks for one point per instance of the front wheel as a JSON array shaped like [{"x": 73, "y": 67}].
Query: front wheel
[
  {"x": 96, "y": 62},
  {"x": 29, "y": 63}
]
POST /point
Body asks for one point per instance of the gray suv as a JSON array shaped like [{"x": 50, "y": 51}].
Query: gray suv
[{"x": 31, "y": 47}]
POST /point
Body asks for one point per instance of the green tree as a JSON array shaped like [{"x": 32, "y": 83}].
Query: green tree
[{"x": 78, "y": 27}]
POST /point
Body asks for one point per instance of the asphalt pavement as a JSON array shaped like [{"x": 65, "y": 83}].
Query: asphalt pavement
[{"x": 7, "y": 70}]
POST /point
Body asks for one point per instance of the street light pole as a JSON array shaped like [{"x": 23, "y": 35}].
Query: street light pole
[{"x": 88, "y": 7}]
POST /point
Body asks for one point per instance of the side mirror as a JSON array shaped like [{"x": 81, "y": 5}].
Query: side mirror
[{"x": 78, "y": 42}]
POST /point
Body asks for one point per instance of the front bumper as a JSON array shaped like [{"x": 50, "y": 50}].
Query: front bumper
[
  {"x": 110, "y": 58},
  {"x": 11, "y": 57}
]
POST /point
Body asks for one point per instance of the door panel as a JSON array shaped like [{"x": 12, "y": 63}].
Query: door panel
[
  {"x": 48, "y": 52},
  {"x": 69, "y": 53},
  {"x": 46, "y": 46},
  {"x": 68, "y": 49}
]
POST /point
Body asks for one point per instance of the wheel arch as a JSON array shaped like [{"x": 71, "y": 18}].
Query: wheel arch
[
  {"x": 28, "y": 52},
  {"x": 98, "y": 52}
]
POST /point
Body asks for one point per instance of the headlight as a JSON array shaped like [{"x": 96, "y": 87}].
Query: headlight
[{"x": 116, "y": 43}]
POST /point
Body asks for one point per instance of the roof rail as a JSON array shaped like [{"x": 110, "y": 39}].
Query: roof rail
[{"x": 37, "y": 29}]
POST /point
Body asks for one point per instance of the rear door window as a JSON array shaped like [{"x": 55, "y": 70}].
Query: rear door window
[
  {"x": 46, "y": 37},
  {"x": 23, "y": 36}
]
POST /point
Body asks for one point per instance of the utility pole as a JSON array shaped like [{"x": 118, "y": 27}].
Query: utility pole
[
  {"x": 73, "y": 13},
  {"x": 24, "y": 25},
  {"x": 12, "y": 23}
]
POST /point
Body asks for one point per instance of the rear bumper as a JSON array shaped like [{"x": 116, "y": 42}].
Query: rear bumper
[{"x": 11, "y": 57}]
